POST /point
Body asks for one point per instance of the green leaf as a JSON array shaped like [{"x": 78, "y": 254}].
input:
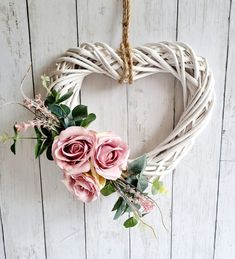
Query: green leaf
[
  {"x": 15, "y": 131},
  {"x": 80, "y": 111},
  {"x": 128, "y": 208},
  {"x": 137, "y": 166},
  {"x": 132, "y": 180},
  {"x": 56, "y": 110},
  {"x": 46, "y": 132},
  {"x": 59, "y": 110},
  {"x": 65, "y": 97},
  {"x": 38, "y": 143},
  {"x": 55, "y": 94},
  {"x": 120, "y": 210},
  {"x": 142, "y": 183},
  {"x": 66, "y": 109},
  {"x": 49, "y": 100},
  {"x": 117, "y": 204},
  {"x": 37, "y": 148},
  {"x": 131, "y": 222},
  {"x": 44, "y": 146},
  {"x": 158, "y": 187},
  {"x": 49, "y": 153},
  {"x": 91, "y": 117},
  {"x": 16, "y": 137},
  {"x": 108, "y": 189},
  {"x": 78, "y": 122},
  {"x": 69, "y": 122},
  {"x": 13, "y": 147},
  {"x": 38, "y": 133}
]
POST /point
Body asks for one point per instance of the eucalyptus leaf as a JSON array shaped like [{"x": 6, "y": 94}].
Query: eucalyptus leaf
[
  {"x": 55, "y": 94},
  {"x": 80, "y": 111},
  {"x": 44, "y": 146},
  {"x": 131, "y": 222},
  {"x": 132, "y": 180},
  {"x": 127, "y": 209},
  {"x": 16, "y": 132},
  {"x": 108, "y": 189},
  {"x": 13, "y": 147},
  {"x": 37, "y": 148},
  {"x": 16, "y": 137},
  {"x": 38, "y": 143},
  {"x": 58, "y": 110},
  {"x": 64, "y": 97},
  {"x": 38, "y": 133},
  {"x": 78, "y": 121},
  {"x": 142, "y": 183},
  {"x": 137, "y": 166},
  {"x": 49, "y": 100},
  {"x": 55, "y": 109},
  {"x": 69, "y": 122},
  {"x": 65, "y": 108},
  {"x": 117, "y": 204},
  {"x": 120, "y": 210},
  {"x": 91, "y": 117},
  {"x": 46, "y": 132},
  {"x": 49, "y": 153}
]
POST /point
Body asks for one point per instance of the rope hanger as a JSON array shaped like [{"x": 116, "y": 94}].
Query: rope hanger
[{"x": 125, "y": 48}]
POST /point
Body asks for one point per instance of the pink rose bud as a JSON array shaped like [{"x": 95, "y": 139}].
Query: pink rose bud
[
  {"x": 110, "y": 155},
  {"x": 83, "y": 186},
  {"x": 73, "y": 148}
]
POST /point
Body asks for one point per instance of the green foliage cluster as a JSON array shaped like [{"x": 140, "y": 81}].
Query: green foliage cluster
[
  {"x": 77, "y": 117},
  {"x": 135, "y": 179}
]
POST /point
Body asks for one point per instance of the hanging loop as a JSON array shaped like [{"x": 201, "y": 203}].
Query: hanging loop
[{"x": 125, "y": 47}]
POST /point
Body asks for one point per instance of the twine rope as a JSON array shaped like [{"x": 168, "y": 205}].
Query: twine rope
[{"x": 125, "y": 47}]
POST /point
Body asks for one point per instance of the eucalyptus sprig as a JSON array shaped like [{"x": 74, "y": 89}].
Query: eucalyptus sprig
[
  {"x": 78, "y": 116},
  {"x": 133, "y": 198}
]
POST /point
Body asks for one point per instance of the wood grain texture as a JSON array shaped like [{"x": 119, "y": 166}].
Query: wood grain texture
[
  {"x": 39, "y": 218},
  {"x": 228, "y": 145},
  {"x": 105, "y": 237},
  {"x": 20, "y": 183},
  {"x": 203, "y": 25},
  {"x": 53, "y": 30},
  {"x": 150, "y": 102},
  {"x": 2, "y": 241},
  {"x": 225, "y": 236}
]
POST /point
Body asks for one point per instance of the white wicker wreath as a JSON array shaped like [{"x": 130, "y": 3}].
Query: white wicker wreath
[{"x": 177, "y": 59}]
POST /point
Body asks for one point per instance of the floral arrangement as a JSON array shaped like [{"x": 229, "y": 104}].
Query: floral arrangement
[{"x": 93, "y": 163}]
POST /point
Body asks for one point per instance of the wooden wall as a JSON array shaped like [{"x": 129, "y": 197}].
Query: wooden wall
[{"x": 38, "y": 217}]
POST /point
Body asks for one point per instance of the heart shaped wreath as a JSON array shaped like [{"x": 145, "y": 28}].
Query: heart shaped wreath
[{"x": 95, "y": 163}]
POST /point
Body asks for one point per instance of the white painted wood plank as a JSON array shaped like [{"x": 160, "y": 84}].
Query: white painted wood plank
[
  {"x": 100, "y": 21},
  {"x": 228, "y": 145},
  {"x": 203, "y": 25},
  {"x": 2, "y": 245},
  {"x": 225, "y": 235},
  {"x": 20, "y": 184},
  {"x": 151, "y": 113},
  {"x": 54, "y": 30}
]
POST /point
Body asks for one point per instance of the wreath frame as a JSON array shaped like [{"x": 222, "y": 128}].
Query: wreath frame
[{"x": 176, "y": 58}]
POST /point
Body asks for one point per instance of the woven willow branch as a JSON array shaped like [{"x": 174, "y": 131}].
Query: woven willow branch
[{"x": 177, "y": 59}]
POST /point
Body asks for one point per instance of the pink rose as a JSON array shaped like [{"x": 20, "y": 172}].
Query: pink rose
[
  {"x": 83, "y": 186},
  {"x": 73, "y": 148},
  {"x": 110, "y": 155}
]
